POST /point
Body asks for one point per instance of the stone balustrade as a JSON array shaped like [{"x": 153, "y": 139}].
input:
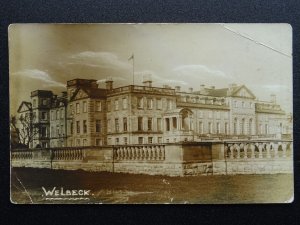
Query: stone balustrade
[
  {"x": 140, "y": 153},
  {"x": 258, "y": 150},
  {"x": 68, "y": 154},
  {"x": 22, "y": 155}
]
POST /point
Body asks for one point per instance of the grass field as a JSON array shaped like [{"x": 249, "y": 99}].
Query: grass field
[{"x": 27, "y": 183}]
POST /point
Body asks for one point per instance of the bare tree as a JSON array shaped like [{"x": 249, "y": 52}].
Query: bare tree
[{"x": 25, "y": 128}]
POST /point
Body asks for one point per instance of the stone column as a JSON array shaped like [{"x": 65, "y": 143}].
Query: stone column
[
  {"x": 245, "y": 151},
  {"x": 237, "y": 147},
  {"x": 231, "y": 151},
  {"x": 268, "y": 147},
  {"x": 260, "y": 147},
  {"x": 283, "y": 150},
  {"x": 275, "y": 150},
  {"x": 252, "y": 151}
]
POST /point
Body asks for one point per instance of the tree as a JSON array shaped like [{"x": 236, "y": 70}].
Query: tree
[{"x": 24, "y": 128}]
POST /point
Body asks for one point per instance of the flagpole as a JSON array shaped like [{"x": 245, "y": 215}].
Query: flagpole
[{"x": 132, "y": 68}]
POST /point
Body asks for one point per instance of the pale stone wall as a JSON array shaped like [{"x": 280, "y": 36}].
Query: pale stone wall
[{"x": 167, "y": 159}]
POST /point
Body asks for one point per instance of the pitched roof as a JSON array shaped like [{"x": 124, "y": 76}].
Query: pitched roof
[
  {"x": 91, "y": 92},
  {"x": 27, "y": 104}
]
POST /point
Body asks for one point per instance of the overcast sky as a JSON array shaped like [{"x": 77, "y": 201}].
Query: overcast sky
[{"x": 188, "y": 55}]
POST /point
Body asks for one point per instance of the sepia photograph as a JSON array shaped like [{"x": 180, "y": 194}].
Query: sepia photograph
[{"x": 151, "y": 113}]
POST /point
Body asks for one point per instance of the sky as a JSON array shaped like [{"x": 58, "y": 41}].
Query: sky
[{"x": 46, "y": 56}]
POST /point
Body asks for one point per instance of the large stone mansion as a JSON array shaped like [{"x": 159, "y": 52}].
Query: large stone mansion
[{"x": 86, "y": 115}]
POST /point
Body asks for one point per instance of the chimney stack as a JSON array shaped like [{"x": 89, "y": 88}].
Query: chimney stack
[
  {"x": 190, "y": 90},
  {"x": 273, "y": 98},
  {"x": 177, "y": 88},
  {"x": 147, "y": 81},
  {"x": 109, "y": 84}
]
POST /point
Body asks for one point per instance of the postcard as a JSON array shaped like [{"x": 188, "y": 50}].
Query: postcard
[{"x": 151, "y": 113}]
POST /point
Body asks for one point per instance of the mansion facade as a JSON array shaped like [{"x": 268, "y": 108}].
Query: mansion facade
[{"x": 86, "y": 115}]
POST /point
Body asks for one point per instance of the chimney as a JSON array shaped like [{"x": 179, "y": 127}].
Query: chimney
[
  {"x": 190, "y": 90},
  {"x": 147, "y": 81},
  {"x": 212, "y": 87},
  {"x": 202, "y": 88},
  {"x": 166, "y": 86},
  {"x": 177, "y": 88},
  {"x": 109, "y": 84},
  {"x": 273, "y": 98}
]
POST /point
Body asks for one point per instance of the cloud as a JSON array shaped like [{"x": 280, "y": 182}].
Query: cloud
[
  {"x": 196, "y": 70},
  {"x": 105, "y": 60},
  {"x": 158, "y": 79},
  {"x": 39, "y": 75}
]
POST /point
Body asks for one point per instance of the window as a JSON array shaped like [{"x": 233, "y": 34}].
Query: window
[
  {"x": 84, "y": 107},
  {"x": 98, "y": 106},
  {"x": 77, "y": 108},
  {"x": 78, "y": 127},
  {"x": 226, "y": 128},
  {"x": 150, "y": 140},
  {"x": 117, "y": 104},
  {"x": 98, "y": 125},
  {"x": 174, "y": 122},
  {"x": 159, "y": 128},
  {"x": 108, "y": 106},
  {"x": 260, "y": 129},
  {"x": 125, "y": 140},
  {"x": 117, "y": 141},
  {"x": 78, "y": 142},
  {"x": 235, "y": 126},
  {"x": 169, "y": 104},
  {"x": 242, "y": 130},
  {"x": 34, "y": 103},
  {"x": 44, "y": 132},
  {"x": 44, "y": 115},
  {"x": 52, "y": 132},
  {"x": 149, "y": 103},
  {"x": 235, "y": 104},
  {"x": 200, "y": 114},
  {"x": 159, "y": 139},
  {"x": 84, "y": 126},
  {"x": 226, "y": 115},
  {"x": 250, "y": 126},
  {"x": 57, "y": 114},
  {"x": 124, "y": 124},
  {"x": 62, "y": 129},
  {"x": 108, "y": 125},
  {"x": 45, "y": 102},
  {"x": 210, "y": 114},
  {"x": 124, "y": 102},
  {"x": 201, "y": 127},
  {"x": 149, "y": 123},
  {"x": 210, "y": 128},
  {"x": 159, "y": 103},
  {"x": 141, "y": 140},
  {"x": 84, "y": 142},
  {"x": 218, "y": 115},
  {"x": 266, "y": 128},
  {"x": 140, "y": 123},
  {"x": 117, "y": 126},
  {"x": 243, "y": 104},
  {"x": 98, "y": 142},
  {"x": 57, "y": 131},
  {"x": 61, "y": 113},
  {"x": 52, "y": 115},
  {"x": 140, "y": 102},
  {"x": 251, "y": 105},
  {"x": 167, "y": 124},
  {"x": 71, "y": 128},
  {"x": 218, "y": 128},
  {"x": 71, "y": 109}
]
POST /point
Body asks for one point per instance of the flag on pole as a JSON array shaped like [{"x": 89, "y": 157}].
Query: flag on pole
[{"x": 131, "y": 57}]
